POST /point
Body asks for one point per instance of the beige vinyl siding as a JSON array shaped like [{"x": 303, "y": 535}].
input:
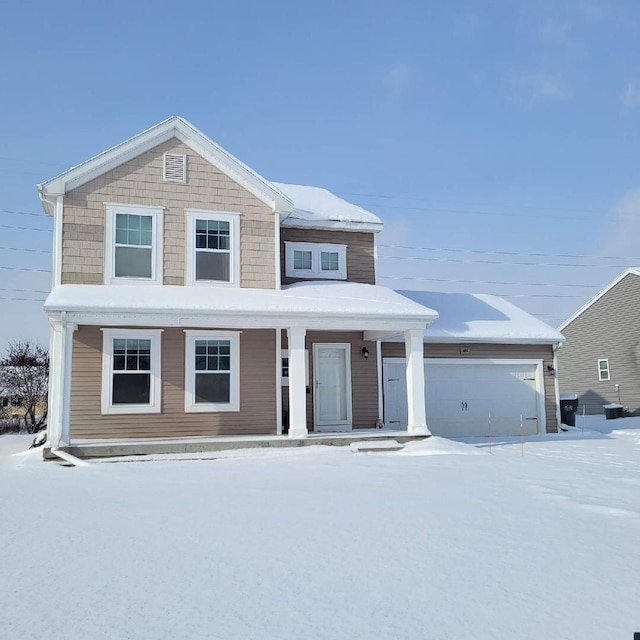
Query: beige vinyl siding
[
  {"x": 608, "y": 329},
  {"x": 360, "y": 251},
  {"x": 493, "y": 351},
  {"x": 364, "y": 377},
  {"x": 257, "y": 392},
  {"x": 139, "y": 182}
]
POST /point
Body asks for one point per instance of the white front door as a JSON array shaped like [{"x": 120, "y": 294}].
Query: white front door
[{"x": 332, "y": 396}]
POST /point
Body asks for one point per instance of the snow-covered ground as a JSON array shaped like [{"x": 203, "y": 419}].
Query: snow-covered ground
[{"x": 329, "y": 543}]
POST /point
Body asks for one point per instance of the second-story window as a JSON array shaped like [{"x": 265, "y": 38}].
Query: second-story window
[
  {"x": 315, "y": 260},
  {"x": 213, "y": 248},
  {"x": 133, "y": 245}
]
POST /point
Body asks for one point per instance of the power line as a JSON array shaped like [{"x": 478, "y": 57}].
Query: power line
[
  {"x": 518, "y": 284},
  {"x": 23, "y": 213},
  {"x": 26, "y": 269},
  {"x": 25, "y": 249},
  {"x": 469, "y": 204},
  {"x": 25, "y": 290},
  {"x": 460, "y": 261},
  {"x": 508, "y": 253},
  {"x": 15, "y": 228}
]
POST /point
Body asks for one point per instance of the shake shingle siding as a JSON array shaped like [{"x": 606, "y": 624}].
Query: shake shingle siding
[
  {"x": 608, "y": 329},
  {"x": 140, "y": 182}
]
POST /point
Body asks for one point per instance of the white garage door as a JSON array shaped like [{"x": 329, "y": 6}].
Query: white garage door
[{"x": 462, "y": 395}]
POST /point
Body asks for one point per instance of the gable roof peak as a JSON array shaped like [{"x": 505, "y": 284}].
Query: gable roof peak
[
  {"x": 174, "y": 126},
  {"x": 635, "y": 271}
]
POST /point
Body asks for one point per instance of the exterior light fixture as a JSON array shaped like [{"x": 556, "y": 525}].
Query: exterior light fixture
[{"x": 365, "y": 353}]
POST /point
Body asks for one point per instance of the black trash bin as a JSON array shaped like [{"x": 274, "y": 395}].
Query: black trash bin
[
  {"x": 568, "y": 409},
  {"x": 612, "y": 411}
]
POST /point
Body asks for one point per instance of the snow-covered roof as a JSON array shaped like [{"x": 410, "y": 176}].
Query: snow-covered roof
[
  {"x": 465, "y": 317},
  {"x": 318, "y": 208},
  {"x": 632, "y": 271},
  {"x": 310, "y": 304}
]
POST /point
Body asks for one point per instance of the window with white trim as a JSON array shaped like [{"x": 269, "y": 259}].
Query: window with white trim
[
  {"x": 603, "y": 370},
  {"x": 131, "y": 371},
  {"x": 133, "y": 245},
  {"x": 213, "y": 248},
  {"x": 315, "y": 260},
  {"x": 212, "y": 371}
]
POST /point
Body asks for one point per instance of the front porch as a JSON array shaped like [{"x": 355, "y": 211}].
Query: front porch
[{"x": 111, "y": 448}]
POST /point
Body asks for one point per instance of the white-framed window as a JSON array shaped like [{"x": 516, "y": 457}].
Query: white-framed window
[
  {"x": 131, "y": 381},
  {"x": 603, "y": 370},
  {"x": 284, "y": 354},
  {"x": 133, "y": 244},
  {"x": 212, "y": 371},
  {"x": 314, "y": 260},
  {"x": 213, "y": 248}
]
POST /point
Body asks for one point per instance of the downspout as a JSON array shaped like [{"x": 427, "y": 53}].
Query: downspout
[
  {"x": 277, "y": 250},
  {"x": 67, "y": 457},
  {"x": 556, "y": 383},
  {"x": 57, "y": 241},
  {"x": 380, "y": 386}
]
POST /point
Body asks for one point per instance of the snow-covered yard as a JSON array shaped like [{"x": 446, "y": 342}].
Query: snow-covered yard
[{"x": 326, "y": 543}]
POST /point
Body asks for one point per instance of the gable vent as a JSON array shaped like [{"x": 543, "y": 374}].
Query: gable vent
[{"x": 175, "y": 167}]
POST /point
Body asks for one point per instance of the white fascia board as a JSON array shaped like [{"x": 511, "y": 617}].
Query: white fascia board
[
  {"x": 241, "y": 321},
  {"x": 336, "y": 225},
  {"x": 583, "y": 308},
  {"x": 397, "y": 337}
]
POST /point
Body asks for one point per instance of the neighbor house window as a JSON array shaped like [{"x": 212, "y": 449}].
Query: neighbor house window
[
  {"x": 313, "y": 260},
  {"x": 131, "y": 371},
  {"x": 212, "y": 369},
  {"x": 213, "y": 248},
  {"x": 603, "y": 370},
  {"x": 133, "y": 245}
]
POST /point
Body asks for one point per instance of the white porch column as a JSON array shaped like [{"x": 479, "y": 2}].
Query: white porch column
[
  {"x": 417, "y": 416},
  {"x": 297, "y": 383},
  {"x": 59, "y": 382}
]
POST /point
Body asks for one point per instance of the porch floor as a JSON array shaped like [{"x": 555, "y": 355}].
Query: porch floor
[{"x": 199, "y": 444}]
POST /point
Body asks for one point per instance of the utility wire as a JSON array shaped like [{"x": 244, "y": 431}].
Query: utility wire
[
  {"x": 508, "y": 253},
  {"x": 26, "y": 269},
  {"x": 23, "y": 213},
  {"x": 15, "y": 228},
  {"x": 48, "y": 251},
  {"x": 461, "y": 261}
]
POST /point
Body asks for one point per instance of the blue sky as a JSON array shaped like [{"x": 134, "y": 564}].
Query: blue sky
[{"x": 486, "y": 130}]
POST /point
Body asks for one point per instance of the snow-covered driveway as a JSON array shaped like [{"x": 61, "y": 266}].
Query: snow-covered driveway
[{"x": 325, "y": 543}]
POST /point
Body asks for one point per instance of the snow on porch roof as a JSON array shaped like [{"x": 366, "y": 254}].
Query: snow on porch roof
[
  {"x": 465, "y": 317},
  {"x": 315, "y": 207},
  {"x": 312, "y": 303}
]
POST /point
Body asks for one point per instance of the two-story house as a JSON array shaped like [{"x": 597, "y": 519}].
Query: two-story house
[{"x": 192, "y": 297}]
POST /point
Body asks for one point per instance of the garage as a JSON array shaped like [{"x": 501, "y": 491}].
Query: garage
[{"x": 470, "y": 398}]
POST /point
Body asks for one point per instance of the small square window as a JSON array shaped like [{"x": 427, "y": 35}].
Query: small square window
[
  {"x": 302, "y": 260},
  {"x": 329, "y": 261}
]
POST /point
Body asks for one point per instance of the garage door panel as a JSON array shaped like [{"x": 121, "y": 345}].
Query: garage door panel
[{"x": 460, "y": 397}]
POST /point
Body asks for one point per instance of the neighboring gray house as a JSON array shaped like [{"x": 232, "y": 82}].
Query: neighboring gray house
[{"x": 600, "y": 360}]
